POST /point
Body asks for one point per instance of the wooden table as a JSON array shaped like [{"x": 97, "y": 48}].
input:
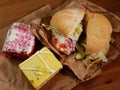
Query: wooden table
[
  {"x": 15, "y": 9},
  {"x": 11, "y": 10}
]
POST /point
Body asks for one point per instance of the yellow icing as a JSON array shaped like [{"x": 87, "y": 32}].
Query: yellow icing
[{"x": 38, "y": 71}]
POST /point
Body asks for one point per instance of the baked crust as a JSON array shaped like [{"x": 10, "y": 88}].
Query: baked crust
[
  {"x": 98, "y": 31},
  {"x": 67, "y": 20}
]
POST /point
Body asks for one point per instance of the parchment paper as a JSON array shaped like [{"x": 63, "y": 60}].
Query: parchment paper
[{"x": 11, "y": 78}]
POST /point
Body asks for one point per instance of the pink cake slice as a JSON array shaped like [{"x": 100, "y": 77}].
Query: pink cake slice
[{"x": 19, "y": 42}]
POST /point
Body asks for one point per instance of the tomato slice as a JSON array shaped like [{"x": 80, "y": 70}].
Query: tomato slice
[{"x": 60, "y": 47}]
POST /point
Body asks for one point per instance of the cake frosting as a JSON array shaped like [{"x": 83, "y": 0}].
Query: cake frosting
[
  {"x": 40, "y": 67},
  {"x": 20, "y": 41}
]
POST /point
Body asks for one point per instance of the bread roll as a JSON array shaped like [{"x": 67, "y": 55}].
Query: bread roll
[
  {"x": 66, "y": 20},
  {"x": 98, "y": 32}
]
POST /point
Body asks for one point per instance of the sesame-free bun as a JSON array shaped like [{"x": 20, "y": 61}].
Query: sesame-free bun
[
  {"x": 98, "y": 32},
  {"x": 66, "y": 20}
]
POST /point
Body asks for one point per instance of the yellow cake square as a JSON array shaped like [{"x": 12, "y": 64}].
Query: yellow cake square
[{"x": 40, "y": 67}]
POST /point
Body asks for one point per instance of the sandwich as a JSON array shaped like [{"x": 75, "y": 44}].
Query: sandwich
[
  {"x": 66, "y": 28},
  {"x": 96, "y": 42}
]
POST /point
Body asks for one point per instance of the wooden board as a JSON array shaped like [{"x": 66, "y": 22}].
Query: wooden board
[{"x": 109, "y": 79}]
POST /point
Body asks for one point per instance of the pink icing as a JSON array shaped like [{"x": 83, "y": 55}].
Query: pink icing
[{"x": 22, "y": 39}]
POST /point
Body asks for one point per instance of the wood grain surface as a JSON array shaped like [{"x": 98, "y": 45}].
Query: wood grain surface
[
  {"x": 15, "y": 9},
  {"x": 11, "y": 10}
]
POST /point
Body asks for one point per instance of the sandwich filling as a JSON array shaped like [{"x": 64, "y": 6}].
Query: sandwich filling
[
  {"x": 65, "y": 44},
  {"x": 89, "y": 59}
]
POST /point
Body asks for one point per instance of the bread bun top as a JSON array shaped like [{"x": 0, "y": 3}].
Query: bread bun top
[
  {"x": 66, "y": 20},
  {"x": 98, "y": 32}
]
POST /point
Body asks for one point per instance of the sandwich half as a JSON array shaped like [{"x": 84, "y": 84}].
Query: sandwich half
[
  {"x": 66, "y": 28},
  {"x": 97, "y": 39}
]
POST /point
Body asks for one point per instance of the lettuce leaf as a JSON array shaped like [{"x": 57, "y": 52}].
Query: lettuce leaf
[{"x": 48, "y": 27}]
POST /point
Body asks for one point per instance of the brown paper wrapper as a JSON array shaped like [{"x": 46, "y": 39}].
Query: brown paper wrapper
[{"x": 11, "y": 78}]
